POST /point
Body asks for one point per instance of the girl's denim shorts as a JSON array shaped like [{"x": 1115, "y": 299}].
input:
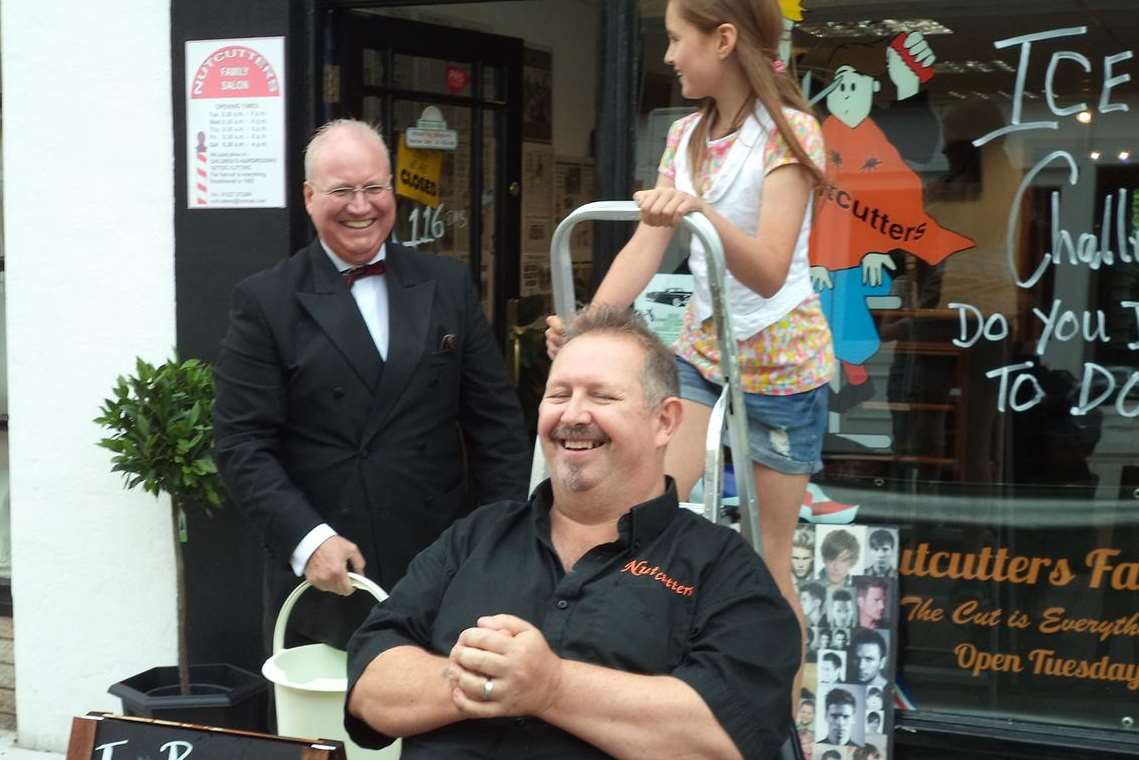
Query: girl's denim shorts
[{"x": 785, "y": 433}]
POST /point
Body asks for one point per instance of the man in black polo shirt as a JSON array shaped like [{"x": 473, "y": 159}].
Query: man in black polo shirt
[{"x": 597, "y": 620}]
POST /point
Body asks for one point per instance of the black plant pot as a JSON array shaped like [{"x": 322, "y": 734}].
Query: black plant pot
[{"x": 220, "y": 695}]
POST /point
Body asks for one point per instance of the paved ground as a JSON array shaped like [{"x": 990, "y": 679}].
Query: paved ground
[{"x": 8, "y": 752}]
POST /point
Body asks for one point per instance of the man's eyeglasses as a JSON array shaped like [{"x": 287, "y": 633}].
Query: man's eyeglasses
[{"x": 345, "y": 193}]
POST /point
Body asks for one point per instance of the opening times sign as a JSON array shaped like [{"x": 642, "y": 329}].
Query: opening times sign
[{"x": 235, "y": 123}]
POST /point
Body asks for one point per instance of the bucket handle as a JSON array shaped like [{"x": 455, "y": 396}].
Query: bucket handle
[{"x": 358, "y": 582}]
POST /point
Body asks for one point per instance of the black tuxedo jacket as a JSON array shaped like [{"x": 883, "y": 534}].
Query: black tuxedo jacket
[{"x": 312, "y": 426}]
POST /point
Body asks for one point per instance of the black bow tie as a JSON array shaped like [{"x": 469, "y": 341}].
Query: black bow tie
[{"x": 351, "y": 275}]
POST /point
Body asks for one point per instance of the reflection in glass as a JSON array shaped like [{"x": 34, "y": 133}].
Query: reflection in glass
[
  {"x": 431, "y": 75},
  {"x": 983, "y": 285}
]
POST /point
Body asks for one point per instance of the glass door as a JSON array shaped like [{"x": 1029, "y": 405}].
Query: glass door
[{"x": 448, "y": 103}]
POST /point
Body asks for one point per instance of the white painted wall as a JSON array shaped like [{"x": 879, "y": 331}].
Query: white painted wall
[{"x": 89, "y": 241}]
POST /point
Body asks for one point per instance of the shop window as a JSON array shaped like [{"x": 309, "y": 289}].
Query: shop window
[{"x": 980, "y": 239}]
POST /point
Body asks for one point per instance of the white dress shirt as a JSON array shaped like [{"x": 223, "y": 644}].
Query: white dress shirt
[{"x": 371, "y": 295}]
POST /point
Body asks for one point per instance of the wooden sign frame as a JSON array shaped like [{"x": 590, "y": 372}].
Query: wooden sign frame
[{"x": 85, "y": 733}]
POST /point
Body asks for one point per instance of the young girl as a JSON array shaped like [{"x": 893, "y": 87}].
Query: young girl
[{"x": 749, "y": 160}]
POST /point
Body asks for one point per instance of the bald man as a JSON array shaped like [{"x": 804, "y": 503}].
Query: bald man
[{"x": 362, "y": 402}]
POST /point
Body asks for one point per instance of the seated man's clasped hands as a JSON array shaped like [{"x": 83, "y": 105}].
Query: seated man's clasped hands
[
  {"x": 599, "y": 619},
  {"x": 507, "y": 653}
]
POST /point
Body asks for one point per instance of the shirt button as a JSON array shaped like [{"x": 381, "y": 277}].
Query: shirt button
[{"x": 562, "y": 604}]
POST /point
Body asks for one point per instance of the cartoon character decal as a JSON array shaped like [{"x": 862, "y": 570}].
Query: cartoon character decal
[{"x": 874, "y": 207}]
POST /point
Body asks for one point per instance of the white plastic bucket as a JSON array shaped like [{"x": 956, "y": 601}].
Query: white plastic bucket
[{"x": 310, "y": 683}]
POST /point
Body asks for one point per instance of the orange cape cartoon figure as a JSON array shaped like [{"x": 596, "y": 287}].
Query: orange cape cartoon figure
[
  {"x": 872, "y": 206},
  {"x": 875, "y": 203}
]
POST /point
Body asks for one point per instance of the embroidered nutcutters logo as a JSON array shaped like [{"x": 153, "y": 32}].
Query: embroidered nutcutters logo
[{"x": 640, "y": 567}]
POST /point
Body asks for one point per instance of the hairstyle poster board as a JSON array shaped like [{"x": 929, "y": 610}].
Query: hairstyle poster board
[
  {"x": 847, "y": 580},
  {"x": 662, "y": 304},
  {"x": 99, "y": 736}
]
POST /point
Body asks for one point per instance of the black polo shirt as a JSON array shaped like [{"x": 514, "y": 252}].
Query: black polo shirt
[{"x": 673, "y": 595}]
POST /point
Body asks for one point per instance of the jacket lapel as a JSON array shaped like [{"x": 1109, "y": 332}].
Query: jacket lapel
[
  {"x": 332, "y": 307},
  {"x": 409, "y": 314}
]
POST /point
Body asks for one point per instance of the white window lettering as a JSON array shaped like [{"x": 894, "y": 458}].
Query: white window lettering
[
  {"x": 1025, "y": 41},
  {"x": 1110, "y": 82},
  {"x": 1049, "y": 91},
  {"x": 1014, "y": 398}
]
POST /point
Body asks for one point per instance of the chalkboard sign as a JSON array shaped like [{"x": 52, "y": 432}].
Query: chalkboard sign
[{"x": 97, "y": 736}]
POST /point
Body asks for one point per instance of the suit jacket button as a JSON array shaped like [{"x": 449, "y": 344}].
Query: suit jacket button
[{"x": 338, "y": 392}]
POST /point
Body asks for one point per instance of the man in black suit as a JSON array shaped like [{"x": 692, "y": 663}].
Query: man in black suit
[{"x": 362, "y": 403}]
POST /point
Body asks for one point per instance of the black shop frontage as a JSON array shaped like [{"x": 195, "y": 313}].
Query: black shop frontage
[{"x": 984, "y": 296}]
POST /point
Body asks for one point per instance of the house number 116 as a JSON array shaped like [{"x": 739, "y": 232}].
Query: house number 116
[{"x": 434, "y": 226}]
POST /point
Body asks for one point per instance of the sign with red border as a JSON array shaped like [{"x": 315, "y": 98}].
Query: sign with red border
[{"x": 235, "y": 123}]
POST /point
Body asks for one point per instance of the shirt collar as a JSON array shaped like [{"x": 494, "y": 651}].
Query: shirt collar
[
  {"x": 343, "y": 266},
  {"x": 637, "y": 527}
]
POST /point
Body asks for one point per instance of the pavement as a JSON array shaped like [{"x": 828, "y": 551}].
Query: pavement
[{"x": 9, "y": 751}]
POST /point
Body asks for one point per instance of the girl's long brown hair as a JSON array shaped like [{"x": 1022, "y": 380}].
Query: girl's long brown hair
[{"x": 759, "y": 26}]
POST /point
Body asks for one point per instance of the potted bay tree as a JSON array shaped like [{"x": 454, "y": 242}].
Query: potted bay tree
[{"x": 160, "y": 432}]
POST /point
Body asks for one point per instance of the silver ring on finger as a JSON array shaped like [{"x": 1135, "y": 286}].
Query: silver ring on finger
[{"x": 487, "y": 689}]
